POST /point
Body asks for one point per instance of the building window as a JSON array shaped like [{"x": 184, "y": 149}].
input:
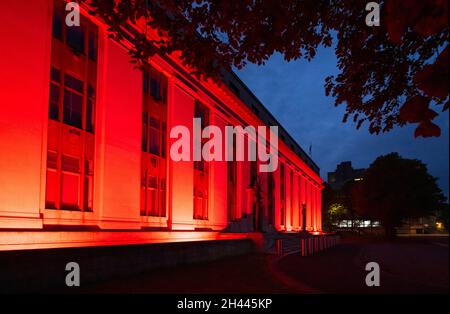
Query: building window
[
  {"x": 201, "y": 177},
  {"x": 155, "y": 85},
  {"x": 81, "y": 39},
  {"x": 200, "y": 204},
  {"x": 201, "y": 112},
  {"x": 55, "y": 87},
  {"x": 154, "y": 118},
  {"x": 92, "y": 46},
  {"x": 75, "y": 39},
  {"x": 153, "y": 193},
  {"x": 57, "y": 24},
  {"x": 73, "y": 101},
  {"x": 70, "y": 144},
  {"x": 155, "y": 136}
]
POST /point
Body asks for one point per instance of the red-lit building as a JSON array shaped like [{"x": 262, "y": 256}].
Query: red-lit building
[{"x": 84, "y": 144}]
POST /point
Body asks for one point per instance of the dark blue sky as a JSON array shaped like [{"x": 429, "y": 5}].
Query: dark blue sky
[{"x": 294, "y": 93}]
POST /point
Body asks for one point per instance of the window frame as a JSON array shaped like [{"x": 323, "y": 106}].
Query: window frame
[
  {"x": 154, "y": 122},
  {"x": 61, "y": 129}
]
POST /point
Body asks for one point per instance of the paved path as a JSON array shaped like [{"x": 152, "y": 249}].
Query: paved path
[
  {"x": 408, "y": 266},
  {"x": 240, "y": 274}
]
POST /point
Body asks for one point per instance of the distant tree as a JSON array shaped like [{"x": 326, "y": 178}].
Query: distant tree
[
  {"x": 395, "y": 188},
  {"x": 389, "y": 75},
  {"x": 327, "y": 199},
  {"x": 337, "y": 212},
  {"x": 339, "y": 205}
]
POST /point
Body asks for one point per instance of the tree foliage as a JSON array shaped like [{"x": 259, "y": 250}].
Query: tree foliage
[
  {"x": 389, "y": 75},
  {"x": 339, "y": 204},
  {"x": 395, "y": 188}
]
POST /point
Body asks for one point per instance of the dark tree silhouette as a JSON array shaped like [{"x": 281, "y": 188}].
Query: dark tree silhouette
[
  {"x": 389, "y": 75},
  {"x": 395, "y": 188}
]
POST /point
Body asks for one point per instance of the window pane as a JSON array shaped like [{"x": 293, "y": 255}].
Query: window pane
[
  {"x": 73, "y": 104},
  {"x": 54, "y": 102},
  {"x": 75, "y": 38},
  {"x": 70, "y": 163},
  {"x": 92, "y": 49},
  {"x": 51, "y": 192},
  {"x": 69, "y": 193},
  {"x": 154, "y": 88},
  {"x": 57, "y": 24},
  {"x": 202, "y": 112},
  {"x": 152, "y": 182},
  {"x": 145, "y": 81},
  {"x": 73, "y": 83},
  {"x": 155, "y": 142},
  {"x": 154, "y": 122},
  {"x": 52, "y": 159}
]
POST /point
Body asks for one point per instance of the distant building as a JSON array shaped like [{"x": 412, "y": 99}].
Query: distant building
[
  {"x": 344, "y": 173},
  {"x": 419, "y": 225}
]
